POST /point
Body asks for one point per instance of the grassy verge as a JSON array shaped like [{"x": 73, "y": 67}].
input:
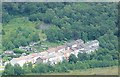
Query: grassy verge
[
  {"x": 93, "y": 71},
  {"x": 1, "y": 67}
]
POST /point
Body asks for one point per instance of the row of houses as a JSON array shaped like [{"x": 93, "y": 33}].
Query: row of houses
[{"x": 58, "y": 54}]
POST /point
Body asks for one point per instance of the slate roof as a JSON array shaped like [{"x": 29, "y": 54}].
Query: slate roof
[{"x": 52, "y": 52}]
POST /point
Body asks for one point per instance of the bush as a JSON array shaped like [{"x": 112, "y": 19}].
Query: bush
[{"x": 16, "y": 50}]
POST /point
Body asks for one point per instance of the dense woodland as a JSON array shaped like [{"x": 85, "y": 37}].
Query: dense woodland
[
  {"x": 65, "y": 21},
  {"x": 68, "y": 21}
]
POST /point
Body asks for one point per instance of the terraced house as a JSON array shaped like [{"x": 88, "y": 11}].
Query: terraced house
[{"x": 58, "y": 54}]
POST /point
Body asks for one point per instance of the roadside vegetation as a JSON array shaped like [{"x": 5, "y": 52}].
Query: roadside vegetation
[{"x": 93, "y": 71}]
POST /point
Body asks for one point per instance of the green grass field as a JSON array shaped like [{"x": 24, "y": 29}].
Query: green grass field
[
  {"x": 1, "y": 67},
  {"x": 95, "y": 71}
]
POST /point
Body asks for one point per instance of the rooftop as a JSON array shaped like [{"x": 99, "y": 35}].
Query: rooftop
[{"x": 53, "y": 52}]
